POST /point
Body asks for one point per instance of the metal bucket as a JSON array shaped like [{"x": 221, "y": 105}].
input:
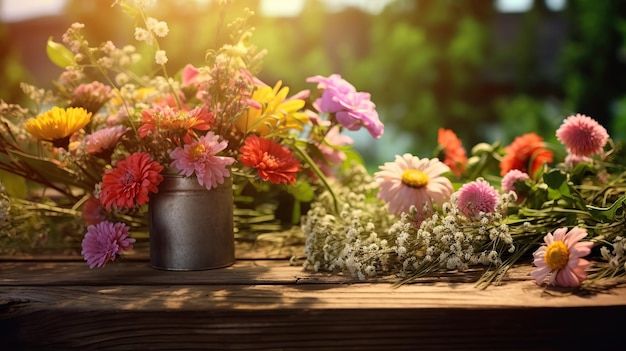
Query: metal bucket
[{"x": 191, "y": 228}]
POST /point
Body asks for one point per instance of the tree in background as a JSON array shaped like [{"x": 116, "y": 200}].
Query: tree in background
[{"x": 427, "y": 63}]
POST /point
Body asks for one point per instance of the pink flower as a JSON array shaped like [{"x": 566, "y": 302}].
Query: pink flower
[
  {"x": 129, "y": 183},
  {"x": 200, "y": 157},
  {"x": 91, "y": 96},
  {"x": 562, "y": 258},
  {"x": 411, "y": 181},
  {"x": 510, "y": 178},
  {"x": 582, "y": 135},
  {"x": 92, "y": 211},
  {"x": 351, "y": 108},
  {"x": 190, "y": 74},
  {"x": 104, "y": 241},
  {"x": 103, "y": 139},
  {"x": 571, "y": 160},
  {"x": 477, "y": 197},
  {"x": 272, "y": 161},
  {"x": 331, "y": 150}
]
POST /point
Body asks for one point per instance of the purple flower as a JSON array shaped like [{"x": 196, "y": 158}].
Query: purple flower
[
  {"x": 352, "y": 109},
  {"x": 104, "y": 241}
]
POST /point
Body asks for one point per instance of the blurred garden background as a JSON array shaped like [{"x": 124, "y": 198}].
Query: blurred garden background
[{"x": 488, "y": 69}]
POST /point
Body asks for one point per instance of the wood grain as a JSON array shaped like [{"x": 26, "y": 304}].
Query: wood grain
[{"x": 270, "y": 305}]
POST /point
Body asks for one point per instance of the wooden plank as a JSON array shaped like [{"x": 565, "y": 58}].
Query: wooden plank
[
  {"x": 268, "y": 304},
  {"x": 306, "y": 317},
  {"x": 521, "y": 294},
  {"x": 139, "y": 272}
]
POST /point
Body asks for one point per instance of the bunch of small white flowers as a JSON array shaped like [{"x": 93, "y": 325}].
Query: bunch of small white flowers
[
  {"x": 354, "y": 239},
  {"x": 449, "y": 240},
  {"x": 365, "y": 241},
  {"x": 616, "y": 258}
]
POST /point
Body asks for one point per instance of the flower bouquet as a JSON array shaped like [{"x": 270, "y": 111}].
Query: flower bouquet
[
  {"x": 102, "y": 147},
  {"x": 526, "y": 203}
]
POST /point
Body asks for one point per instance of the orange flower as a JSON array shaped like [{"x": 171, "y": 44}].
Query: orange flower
[
  {"x": 453, "y": 153},
  {"x": 527, "y": 152},
  {"x": 272, "y": 161},
  {"x": 169, "y": 120}
]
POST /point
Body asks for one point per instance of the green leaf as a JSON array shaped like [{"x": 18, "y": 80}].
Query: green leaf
[
  {"x": 557, "y": 185},
  {"x": 59, "y": 54},
  {"x": 51, "y": 171},
  {"x": 301, "y": 191},
  {"x": 608, "y": 213},
  {"x": 14, "y": 184}
]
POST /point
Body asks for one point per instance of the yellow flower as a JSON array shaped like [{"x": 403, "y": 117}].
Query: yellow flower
[
  {"x": 58, "y": 124},
  {"x": 275, "y": 113}
]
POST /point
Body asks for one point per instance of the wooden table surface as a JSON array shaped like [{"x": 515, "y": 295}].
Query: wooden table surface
[{"x": 58, "y": 303}]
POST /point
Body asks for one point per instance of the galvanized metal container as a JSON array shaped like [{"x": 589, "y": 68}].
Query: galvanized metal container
[{"x": 191, "y": 228}]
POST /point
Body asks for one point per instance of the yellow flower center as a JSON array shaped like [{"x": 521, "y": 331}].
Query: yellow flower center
[
  {"x": 197, "y": 150},
  {"x": 414, "y": 178},
  {"x": 557, "y": 255}
]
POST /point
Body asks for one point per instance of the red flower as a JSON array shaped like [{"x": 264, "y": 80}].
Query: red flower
[
  {"x": 272, "y": 161},
  {"x": 453, "y": 152},
  {"x": 129, "y": 183},
  {"x": 93, "y": 212},
  {"x": 526, "y": 150},
  {"x": 165, "y": 119}
]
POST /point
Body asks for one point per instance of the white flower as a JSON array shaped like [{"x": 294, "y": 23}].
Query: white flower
[
  {"x": 160, "y": 57},
  {"x": 141, "y": 34},
  {"x": 161, "y": 29}
]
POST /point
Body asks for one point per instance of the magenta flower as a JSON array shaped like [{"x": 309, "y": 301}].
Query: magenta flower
[
  {"x": 582, "y": 135},
  {"x": 104, "y": 241},
  {"x": 352, "y": 109},
  {"x": 411, "y": 181},
  {"x": 200, "y": 157},
  {"x": 508, "y": 182},
  {"x": 104, "y": 139},
  {"x": 477, "y": 197},
  {"x": 562, "y": 258}
]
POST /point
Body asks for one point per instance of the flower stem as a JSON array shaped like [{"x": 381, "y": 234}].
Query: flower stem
[{"x": 319, "y": 174}]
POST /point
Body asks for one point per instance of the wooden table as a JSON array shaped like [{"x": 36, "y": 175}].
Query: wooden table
[{"x": 260, "y": 304}]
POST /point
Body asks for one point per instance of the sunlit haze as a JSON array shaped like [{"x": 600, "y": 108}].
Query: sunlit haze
[{"x": 17, "y": 10}]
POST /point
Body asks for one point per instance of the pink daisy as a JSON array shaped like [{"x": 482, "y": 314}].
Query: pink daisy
[
  {"x": 562, "y": 257},
  {"x": 104, "y": 241},
  {"x": 582, "y": 135},
  {"x": 200, "y": 157},
  {"x": 410, "y": 180},
  {"x": 477, "y": 197}
]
